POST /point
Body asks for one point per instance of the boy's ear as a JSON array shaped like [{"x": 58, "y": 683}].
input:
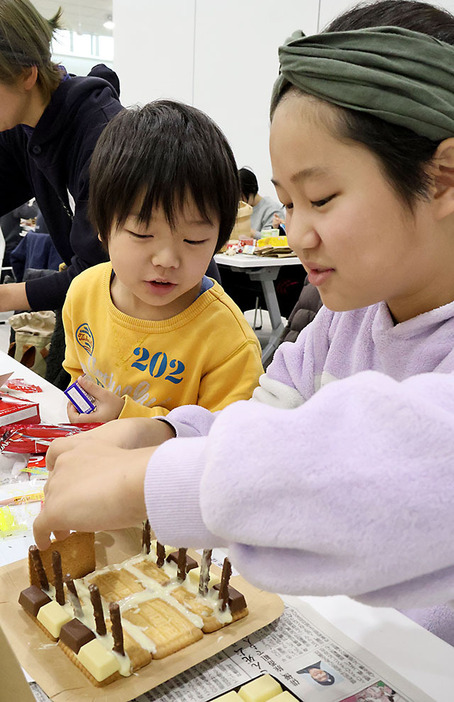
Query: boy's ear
[{"x": 443, "y": 179}]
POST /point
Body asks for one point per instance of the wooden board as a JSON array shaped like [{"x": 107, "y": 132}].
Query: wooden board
[{"x": 55, "y": 673}]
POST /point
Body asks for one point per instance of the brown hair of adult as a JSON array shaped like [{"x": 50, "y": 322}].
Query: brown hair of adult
[{"x": 25, "y": 41}]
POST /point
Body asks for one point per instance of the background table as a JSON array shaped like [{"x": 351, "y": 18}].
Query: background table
[{"x": 264, "y": 269}]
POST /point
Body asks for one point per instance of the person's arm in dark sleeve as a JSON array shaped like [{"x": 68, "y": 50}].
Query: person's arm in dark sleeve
[{"x": 50, "y": 292}]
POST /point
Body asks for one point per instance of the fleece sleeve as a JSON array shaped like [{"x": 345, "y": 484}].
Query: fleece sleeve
[{"x": 350, "y": 493}]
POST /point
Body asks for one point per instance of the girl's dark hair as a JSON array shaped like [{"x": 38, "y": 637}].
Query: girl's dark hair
[
  {"x": 404, "y": 155},
  {"x": 162, "y": 153},
  {"x": 25, "y": 41},
  {"x": 248, "y": 182},
  {"x": 330, "y": 680}
]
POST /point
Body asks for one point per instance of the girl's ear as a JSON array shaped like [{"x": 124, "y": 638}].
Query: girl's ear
[{"x": 443, "y": 179}]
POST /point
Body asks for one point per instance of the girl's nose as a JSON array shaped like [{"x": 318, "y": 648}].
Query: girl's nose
[{"x": 300, "y": 232}]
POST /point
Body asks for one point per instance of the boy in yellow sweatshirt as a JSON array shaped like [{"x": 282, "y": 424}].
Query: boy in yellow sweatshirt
[{"x": 149, "y": 330}]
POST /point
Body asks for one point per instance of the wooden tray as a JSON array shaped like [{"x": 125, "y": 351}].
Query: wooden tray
[{"x": 55, "y": 673}]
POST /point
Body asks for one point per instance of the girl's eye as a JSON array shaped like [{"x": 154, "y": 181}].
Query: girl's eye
[
  {"x": 289, "y": 206},
  {"x": 320, "y": 203}
]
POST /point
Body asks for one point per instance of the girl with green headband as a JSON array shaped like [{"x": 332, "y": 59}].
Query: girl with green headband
[{"x": 345, "y": 484}]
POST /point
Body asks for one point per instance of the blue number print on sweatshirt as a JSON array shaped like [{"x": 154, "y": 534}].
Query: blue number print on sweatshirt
[{"x": 158, "y": 364}]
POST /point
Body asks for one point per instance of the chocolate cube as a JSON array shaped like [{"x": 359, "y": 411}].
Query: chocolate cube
[
  {"x": 75, "y": 635},
  {"x": 190, "y": 562},
  {"x": 32, "y": 599},
  {"x": 236, "y": 600}
]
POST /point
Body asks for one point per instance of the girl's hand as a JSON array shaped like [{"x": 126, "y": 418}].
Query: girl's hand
[
  {"x": 92, "y": 487},
  {"x": 128, "y": 433},
  {"x": 108, "y": 405}
]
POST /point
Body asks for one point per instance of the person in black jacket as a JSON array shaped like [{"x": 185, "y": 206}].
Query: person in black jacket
[
  {"x": 49, "y": 125},
  {"x": 10, "y": 224}
]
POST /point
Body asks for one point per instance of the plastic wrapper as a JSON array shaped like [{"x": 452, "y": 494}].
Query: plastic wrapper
[
  {"x": 36, "y": 438},
  {"x": 21, "y": 385}
]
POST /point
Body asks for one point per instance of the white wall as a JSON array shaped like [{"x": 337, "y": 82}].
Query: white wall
[{"x": 219, "y": 55}]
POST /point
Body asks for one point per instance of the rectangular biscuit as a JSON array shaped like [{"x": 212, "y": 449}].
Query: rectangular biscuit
[
  {"x": 151, "y": 570},
  {"x": 72, "y": 656},
  {"x": 77, "y": 557},
  {"x": 138, "y": 656},
  {"x": 164, "y": 625},
  {"x": 202, "y": 609},
  {"x": 115, "y": 585},
  {"x": 41, "y": 626}
]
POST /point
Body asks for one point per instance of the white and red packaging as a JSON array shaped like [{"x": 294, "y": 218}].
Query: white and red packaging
[{"x": 15, "y": 409}]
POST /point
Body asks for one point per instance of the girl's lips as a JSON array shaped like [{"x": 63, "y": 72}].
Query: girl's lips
[{"x": 318, "y": 276}]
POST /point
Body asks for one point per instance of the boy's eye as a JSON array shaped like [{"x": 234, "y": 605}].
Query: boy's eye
[
  {"x": 195, "y": 242},
  {"x": 139, "y": 236},
  {"x": 320, "y": 203}
]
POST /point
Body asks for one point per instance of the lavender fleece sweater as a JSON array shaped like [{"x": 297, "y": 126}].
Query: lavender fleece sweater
[{"x": 320, "y": 487}]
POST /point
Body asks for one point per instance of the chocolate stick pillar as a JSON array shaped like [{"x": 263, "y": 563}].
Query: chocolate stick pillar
[
  {"x": 117, "y": 629},
  {"x": 39, "y": 568},
  {"x": 181, "y": 573},
  {"x": 73, "y": 596},
  {"x": 161, "y": 554},
  {"x": 146, "y": 536},
  {"x": 58, "y": 577},
  {"x": 224, "y": 586},
  {"x": 205, "y": 571},
  {"x": 95, "y": 598}
]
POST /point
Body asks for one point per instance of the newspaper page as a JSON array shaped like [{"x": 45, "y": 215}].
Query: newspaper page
[{"x": 309, "y": 657}]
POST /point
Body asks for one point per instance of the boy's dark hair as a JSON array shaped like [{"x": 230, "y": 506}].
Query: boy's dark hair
[
  {"x": 404, "y": 155},
  {"x": 162, "y": 152},
  {"x": 248, "y": 183}
]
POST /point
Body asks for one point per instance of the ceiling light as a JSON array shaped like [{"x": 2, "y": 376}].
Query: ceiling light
[{"x": 109, "y": 24}]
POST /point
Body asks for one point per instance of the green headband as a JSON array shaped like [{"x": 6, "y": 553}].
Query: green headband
[{"x": 398, "y": 75}]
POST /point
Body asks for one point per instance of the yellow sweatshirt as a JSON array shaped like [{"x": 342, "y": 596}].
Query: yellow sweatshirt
[{"x": 207, "y": 355}]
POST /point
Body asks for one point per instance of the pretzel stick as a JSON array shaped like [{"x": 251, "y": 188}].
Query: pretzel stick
[
  {"x": 73, "y": 596},
  {"x": 205, "y": 572},
  {"x": 117, "y": 629},
  {"x": 95, "y": 598},
  {"x": 161, "y": 554},
  {"x": 224, "y": 587},
  {"x": 39, "y": 568},
  {"x": 58, "y": 577}
]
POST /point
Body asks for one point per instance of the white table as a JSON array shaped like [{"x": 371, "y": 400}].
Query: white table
[
  {"x": 264, "y": 269},
  {"x": 52, "y": 407},
  {"x": 416, "y": 654},
  {"x": 52, "y": 401}
]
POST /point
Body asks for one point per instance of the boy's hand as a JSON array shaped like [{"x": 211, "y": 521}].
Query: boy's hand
[
  {"x": 108, "y": 405},
  {"x": 92, "y": 487}
]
